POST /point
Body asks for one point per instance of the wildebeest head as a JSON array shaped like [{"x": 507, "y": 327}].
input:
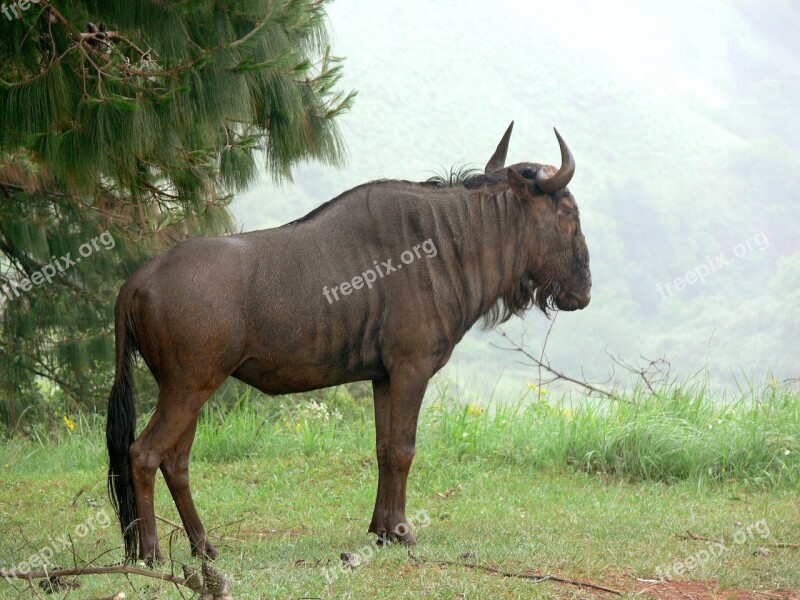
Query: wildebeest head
[{"x": 558, "y": 259}]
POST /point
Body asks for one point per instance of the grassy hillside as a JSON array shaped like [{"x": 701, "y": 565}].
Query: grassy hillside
[{"x": 596, "y": 493}]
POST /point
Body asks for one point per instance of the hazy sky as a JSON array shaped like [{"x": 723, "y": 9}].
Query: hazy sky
[{"x": 683, "y": 120}]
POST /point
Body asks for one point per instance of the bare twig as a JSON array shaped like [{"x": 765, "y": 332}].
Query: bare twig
[
  {"x": 535, "y": 577},
  {"x": 769, "y": 595},
  {"x": 541, "y": 356},
  {"x": 699, "y": 538},
  {"x": 652, "y": 374},
  {"x": 168, "y": 522},
  {"x": 696, "y": 538},
  {"x": 782, "y": 545},
  {"x": 557, "y": 374},
  {"x": 78, "y": 495}
]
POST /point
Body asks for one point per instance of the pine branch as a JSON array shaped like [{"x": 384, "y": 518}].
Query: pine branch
[{"x": 112, "y": 118}]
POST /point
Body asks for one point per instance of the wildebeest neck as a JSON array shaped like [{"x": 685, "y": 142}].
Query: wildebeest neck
[
  {"x": 495, "y": 245},
  {"x": 481, "y": 234}
]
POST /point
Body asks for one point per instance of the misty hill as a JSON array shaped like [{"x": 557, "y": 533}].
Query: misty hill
[{"x": 683, "y": 120}]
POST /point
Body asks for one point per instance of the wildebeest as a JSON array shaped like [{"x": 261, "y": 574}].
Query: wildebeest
[{"x": 254, "y": 306}]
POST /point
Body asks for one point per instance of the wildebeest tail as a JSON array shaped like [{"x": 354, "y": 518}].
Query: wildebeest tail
[{"x": 121, "y": 433}]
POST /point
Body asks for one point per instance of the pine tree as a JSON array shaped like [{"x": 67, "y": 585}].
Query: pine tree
[{"x": 124, "y": 128}]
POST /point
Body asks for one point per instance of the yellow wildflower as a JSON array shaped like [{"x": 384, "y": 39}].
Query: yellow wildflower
[
  {"x": 69, "y": 423},
  {"x": 474, "y": 409}
]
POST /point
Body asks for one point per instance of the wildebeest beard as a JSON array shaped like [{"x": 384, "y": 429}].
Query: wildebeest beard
[{"x": 529, "y": 292}]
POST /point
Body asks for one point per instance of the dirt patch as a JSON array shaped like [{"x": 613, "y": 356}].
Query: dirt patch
[
  {"x": 695, "y": 590},
  {"x": 624, "y": 583}
]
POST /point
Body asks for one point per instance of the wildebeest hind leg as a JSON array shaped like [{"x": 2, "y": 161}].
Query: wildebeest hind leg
[
  {"x": 175, "y": 468},
  {"x": 177, "y": 409}
]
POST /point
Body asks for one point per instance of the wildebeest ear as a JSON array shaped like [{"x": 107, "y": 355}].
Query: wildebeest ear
[
  {"x": 518, "y": 183},
  {"x": 498, "y": 160}
]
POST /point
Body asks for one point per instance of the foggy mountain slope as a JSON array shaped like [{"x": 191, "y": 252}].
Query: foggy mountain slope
[{"x": 683, "y": 131}]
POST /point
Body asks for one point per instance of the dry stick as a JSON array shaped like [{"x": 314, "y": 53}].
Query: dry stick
[
  {"x": 34, "y": 589},
  {"x": 541, "y": 356},
  {"x": 168, "y": 522},
  {"x": 536, "y": 577},
  {"x": 647, "y": 374},
  {"x": 697, "y": 538},
  {"x": 558, "y": 374},
  {"x": 179, "y": 581},
  {"x": 768, "y": 595},
  {"x": 78, "y": 495}
]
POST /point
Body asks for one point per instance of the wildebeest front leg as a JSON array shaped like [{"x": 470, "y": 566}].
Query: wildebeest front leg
[
  {"x": 406, "y": 389},
  {"x": 380, "y": 516}
]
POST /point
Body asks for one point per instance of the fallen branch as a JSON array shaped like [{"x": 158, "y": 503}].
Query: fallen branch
[
  {"x": 119, "y": 569},
  {"x": 534, "y": 577},
  {"x": 696, "y": 538},
  {"x": 213, "y": 583},
  {"x": 168, "y": 522},
  {"x": 699, "y": 538},
  {"x": 781, "y": 545}
]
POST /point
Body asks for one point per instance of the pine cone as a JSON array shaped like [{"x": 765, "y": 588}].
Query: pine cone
[{"x": 216, "y": 583}]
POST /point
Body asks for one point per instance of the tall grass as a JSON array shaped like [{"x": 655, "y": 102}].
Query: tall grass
[{"x": 678, "y": 433}]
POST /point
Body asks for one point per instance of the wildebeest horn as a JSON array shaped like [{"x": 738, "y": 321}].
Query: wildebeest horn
[
  {"x": 498, "y": 160},
  {"x": 556, "y": 183}
]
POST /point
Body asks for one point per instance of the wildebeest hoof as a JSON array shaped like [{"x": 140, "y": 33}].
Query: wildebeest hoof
[
  {"x": 206, "y": 551},
  {"x": 153, "y": 560},
  {"x": 404, "y": 537}
]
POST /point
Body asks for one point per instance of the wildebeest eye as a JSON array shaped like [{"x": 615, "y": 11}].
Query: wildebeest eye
[{"x": 568, "y": 212}]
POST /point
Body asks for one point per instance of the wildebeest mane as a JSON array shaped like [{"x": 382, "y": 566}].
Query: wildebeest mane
[
  {"x": 469, "y": 177},
  {"x": 329, "y": 203},
  {"x": 474, "y": 178},
  {"x": 453, "y": 176}
]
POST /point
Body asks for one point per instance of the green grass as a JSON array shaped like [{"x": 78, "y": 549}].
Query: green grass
[{"x": 583, "y": 488}]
